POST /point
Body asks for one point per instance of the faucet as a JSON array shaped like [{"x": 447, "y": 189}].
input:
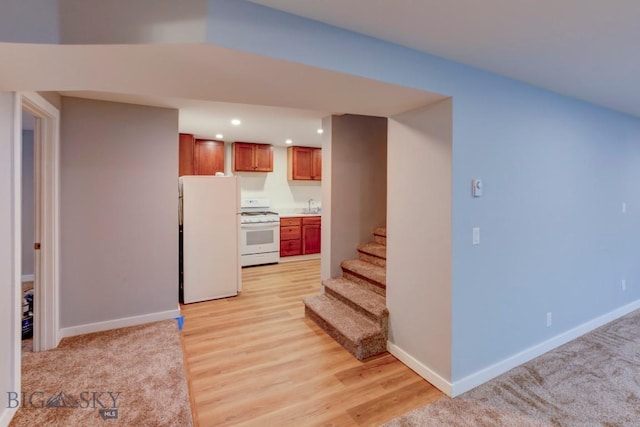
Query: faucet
[{"x": 309, "y": 207}]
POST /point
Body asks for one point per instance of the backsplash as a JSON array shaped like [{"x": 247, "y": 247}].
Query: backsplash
[{"x": 285, "y": 195}]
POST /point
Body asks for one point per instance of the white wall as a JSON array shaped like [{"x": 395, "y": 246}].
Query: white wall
[
  {"x": 358, "y": 184},
  {"x": 119, "y": 211},
  {"x": 419, "y": 240},
  {"x": 28, "y": 223},
  {"x": 9, "y": 364},
  {"x": 284, "y": 194}
]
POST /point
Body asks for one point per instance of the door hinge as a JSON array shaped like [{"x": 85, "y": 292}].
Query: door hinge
[{"x": 36, "y": 246}]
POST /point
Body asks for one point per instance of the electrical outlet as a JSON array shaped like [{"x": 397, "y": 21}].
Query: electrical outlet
[
  {"x": 549, "y": 319},
  {"x": 624, "y": 285}
]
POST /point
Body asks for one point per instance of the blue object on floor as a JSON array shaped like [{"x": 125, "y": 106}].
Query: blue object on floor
[{"x": 180, "y": 320}]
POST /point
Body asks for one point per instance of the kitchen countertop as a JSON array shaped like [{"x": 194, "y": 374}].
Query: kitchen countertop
[{"x": 294, "y": 214}]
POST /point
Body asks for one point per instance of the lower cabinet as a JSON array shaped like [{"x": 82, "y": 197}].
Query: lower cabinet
[
  {"x": 311, "y": 235},
  {"x": 300, "y": 235},
  {"x": 290, "y": 236}
]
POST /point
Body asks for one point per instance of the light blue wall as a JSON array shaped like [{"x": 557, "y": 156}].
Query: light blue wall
[
  {"x": 553, "y": 237},
  {"x": 556, "y": 171},
  {"x": 29, "y": 21}
]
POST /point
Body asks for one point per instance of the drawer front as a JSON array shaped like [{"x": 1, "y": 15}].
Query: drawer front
[
  {"x": 290, "y": 233},
  {"x": 290, "y": 247},
  {"x": 309, "y": 220},
  {"x": 285, "y": 222}
]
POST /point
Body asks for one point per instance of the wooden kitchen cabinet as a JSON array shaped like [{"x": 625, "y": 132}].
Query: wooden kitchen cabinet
[
  {"x": 185, "y": 154},
  {"x": 252, "y": 157},
  {"x": 300, "y": 236},
  {"x": 208, "y": 157},
  {"x": 290, "y": 236},
  {"x": 304, "y": 163},
  {"x": 311, "y": 235},
  {"x": 200, "y": 156}
]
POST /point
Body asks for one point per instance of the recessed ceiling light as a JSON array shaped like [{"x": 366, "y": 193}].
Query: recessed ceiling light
[
  {"x": 320, "y": 131},
  {"x": 219, "y": 136},
  {"x": 288, "y": 141},
  {"x": 235, "y": 122}
]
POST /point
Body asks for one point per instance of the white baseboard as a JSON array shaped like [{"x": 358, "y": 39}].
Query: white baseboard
[
  {"x": 484, "y": 375},
  {"x": 423, "y": 370},
  {"x": 477, "y": 378},
  {"x": 118, "y": 323},
  {"x": 27, "y": 277},
  {"x": 7, "y": 415}
]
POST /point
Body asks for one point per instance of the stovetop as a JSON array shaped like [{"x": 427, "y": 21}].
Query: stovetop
[
  {"x": 255, "y": 213},
  {"x": 259, "y": 216}
]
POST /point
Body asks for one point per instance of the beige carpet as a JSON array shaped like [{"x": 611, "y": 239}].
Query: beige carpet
[
  {"x": 591, "y": 381},
  {"x": 138, "y": 371}
]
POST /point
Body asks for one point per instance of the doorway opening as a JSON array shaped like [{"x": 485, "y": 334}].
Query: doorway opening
[
  {"x": 28, "y": 226},
  {"x": 42, "y": 252}
]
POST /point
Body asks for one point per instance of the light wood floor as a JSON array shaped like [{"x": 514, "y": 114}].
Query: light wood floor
[{"x": 255, "y": 360}]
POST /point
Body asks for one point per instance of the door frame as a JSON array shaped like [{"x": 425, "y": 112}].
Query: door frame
[{"x": 46, "y": 331}]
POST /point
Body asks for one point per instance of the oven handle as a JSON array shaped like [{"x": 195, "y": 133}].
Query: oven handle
[{"x": 260, "y": 225}]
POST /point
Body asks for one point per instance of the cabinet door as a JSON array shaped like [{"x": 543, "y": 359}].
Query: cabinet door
[
  {"x": 290, "y": 233},
  {"x": 304, "y": 163},
  {"x": 208, "y": 157},
  {"x": 301, "y": 162},
  {"x": 316, "y": 170},
  {"x": 290, "y": 248},
  {"x": 311, "y": 239},
  {"x": 263, "y": 158},
  {"x": 185, "y": 154},
  {"x": 242, "y": 157}
]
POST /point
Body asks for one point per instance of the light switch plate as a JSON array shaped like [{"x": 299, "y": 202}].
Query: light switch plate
[
  {"x": 476, "y": 187},
  {"x": 476, "y": 235}
]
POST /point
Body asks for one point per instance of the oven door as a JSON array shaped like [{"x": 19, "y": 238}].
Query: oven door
[{"x": 260, "y": 237}]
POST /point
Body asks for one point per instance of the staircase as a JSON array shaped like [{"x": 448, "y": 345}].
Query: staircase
[{"x": 353, "y": 308}]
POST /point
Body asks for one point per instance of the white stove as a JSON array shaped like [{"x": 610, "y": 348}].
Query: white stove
[{"x": 260, "y": 233}]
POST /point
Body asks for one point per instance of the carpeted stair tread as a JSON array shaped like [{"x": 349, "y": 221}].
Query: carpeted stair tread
[
  {"x": 354, "y": 326},
  {"x": 374, "y": 249},
  {"x": 373, "y": 273},
  {"x": 357, "y": 295},
  {"x": 381, "y": 231}
]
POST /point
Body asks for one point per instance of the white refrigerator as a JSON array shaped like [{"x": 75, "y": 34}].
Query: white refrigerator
[{"x": 209, "y": 237}]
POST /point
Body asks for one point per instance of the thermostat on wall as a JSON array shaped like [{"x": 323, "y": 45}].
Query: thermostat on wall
[{"x": 476, "y": 187}]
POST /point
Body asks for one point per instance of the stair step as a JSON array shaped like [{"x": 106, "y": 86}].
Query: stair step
[
  {"x": 359, "y": 298},
  {"x": 375, "y": 253},
  {"x": 380, "y": 236},
  {"x": 375, "y": 249},
  {"x": 366, "y": 272},
  {"x": 361, "y": 336},
  {"x": 380, "y": 231}
]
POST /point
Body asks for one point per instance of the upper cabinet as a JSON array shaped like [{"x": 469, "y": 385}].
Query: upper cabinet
[
  {"x": 200, "y": 156},
  {"x": 186, "y": 147},
  {"x": 208, "y": 157},
  {"x": 252, "y": 157},
  {"x": 304, "y": 163}
]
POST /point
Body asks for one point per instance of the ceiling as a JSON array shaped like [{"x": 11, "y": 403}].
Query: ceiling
[
  {"x": 209, "y": 119},
  {"x": 209, "y": 85},
  {"x": 586, "y": 49}
]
